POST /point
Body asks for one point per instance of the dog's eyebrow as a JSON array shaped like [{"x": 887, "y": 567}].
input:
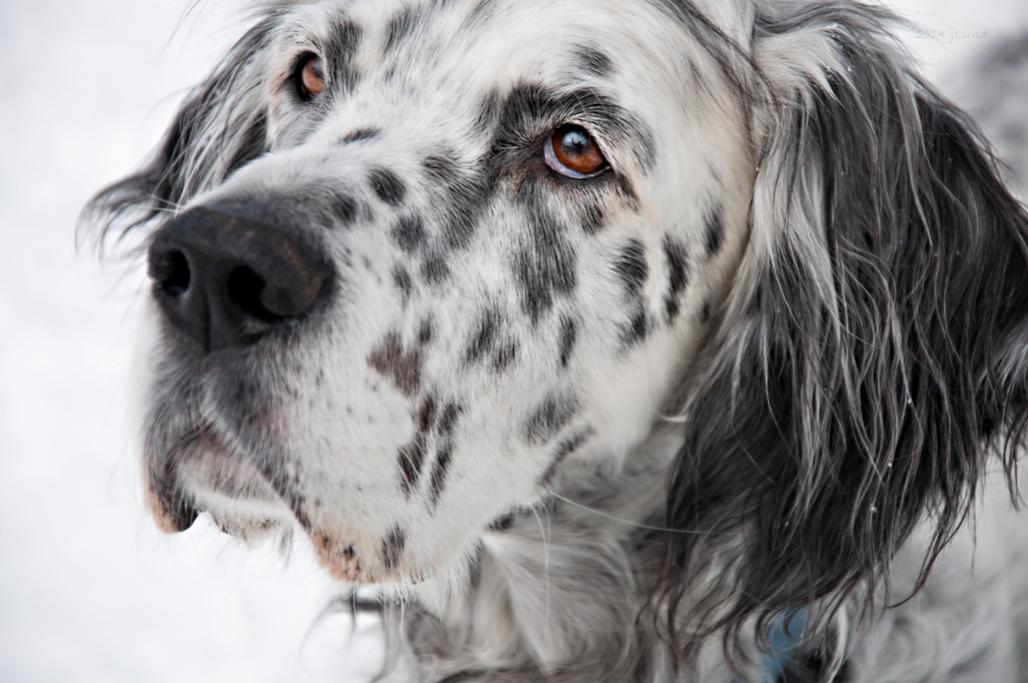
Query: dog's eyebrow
[
  {"x": 593, "y": 61},
  {"x": 531, "y": 107},
  {"x": 400, "y": 26},
  {"x": 340, "y": 44}
]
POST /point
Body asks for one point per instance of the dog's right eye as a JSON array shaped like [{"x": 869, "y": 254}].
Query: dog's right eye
[
  {"x": 309, "y": 77},
  {"x": 573, "y": 152}
]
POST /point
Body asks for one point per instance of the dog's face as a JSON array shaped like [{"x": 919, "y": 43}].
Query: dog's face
[{"x": 467, "y": 243}]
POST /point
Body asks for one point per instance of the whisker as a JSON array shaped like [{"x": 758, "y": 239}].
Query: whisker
[
  {"x": 544, "y": 531},
  {"x": 630, "y": 523}
]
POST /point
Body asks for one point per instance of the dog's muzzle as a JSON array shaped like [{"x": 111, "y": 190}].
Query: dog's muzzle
[{"x": 226, "y": 275}]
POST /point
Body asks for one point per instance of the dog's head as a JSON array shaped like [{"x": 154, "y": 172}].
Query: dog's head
[
  {"x": 409, "y": 259},
  {"x": 415, "y": 257}
]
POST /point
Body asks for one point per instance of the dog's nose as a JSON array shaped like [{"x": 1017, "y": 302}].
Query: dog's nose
[{"x": 226, "y": 279}]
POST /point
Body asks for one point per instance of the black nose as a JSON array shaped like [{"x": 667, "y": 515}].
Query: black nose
[{"x": 226, "y": 279}]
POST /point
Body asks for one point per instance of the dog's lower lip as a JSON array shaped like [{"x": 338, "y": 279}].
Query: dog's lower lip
[
  {"x": 173, "y": 511},
  {"x": 173, "y": 501},
  {"x": 184, "y": 517},
  {"x": 205, "y": 472}
]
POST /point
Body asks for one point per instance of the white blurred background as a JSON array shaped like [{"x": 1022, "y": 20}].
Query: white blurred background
[{"x": 89, "y": 591}]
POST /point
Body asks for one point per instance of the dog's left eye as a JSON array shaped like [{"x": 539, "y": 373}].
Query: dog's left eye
[
  {"x": 572, "y": 152},
  {"x": 309, "y": 77}
]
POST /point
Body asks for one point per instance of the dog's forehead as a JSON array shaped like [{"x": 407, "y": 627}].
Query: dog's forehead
[{"x": 490, "y": 43}]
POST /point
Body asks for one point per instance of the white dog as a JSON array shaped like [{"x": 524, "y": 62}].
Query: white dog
[{"x": 608, "y": 340}]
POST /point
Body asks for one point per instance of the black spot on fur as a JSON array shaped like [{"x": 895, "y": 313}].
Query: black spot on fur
[
  {"x": 344, "y": 207},
  {"x": 484, "y": 338},
  {"x": 435, "y": 269},
  {"x": 360, "y": 135},
  {"x": 400, "y": 26},
  {"x": 593, "y": 219},
  {"x": 715, "y": 231},
  {"x": 505, "y": 356},
  {"x": 426, "y": 415},
  {"x": 568, "y": 339},
  {"x": 342, "y": 44},
  {"x": 632, "y": 268},
  {"x": 627, "y": 190},
  {"x": 448, "y": 419},
  {"x": 638, "y": 329},
  {"x": 546, "y": 268},
  {"x": 551, "y": 417},
  {"x": 426, "y": 332},
  {"x": 441, "y": 169},
  {"x": 464, "y": 197},
  {"x": 409, "y": 233},
  {"x": 504, "y": 523},
  {"x": 411, "y": 459},
  {"x": 402, "y": 367},
  {"x": 429, "y": 423},
  {"x": 442, "y": 468},
  {"x": 593, "y": 61},
  {"x": 678, "y": 276},
  {"x": 482, "y": 12},
  {"x": 392, "y": 548},
  {"x": 388, "y": 186},
  {"x": 564, "y": 450},
  {"x": 403, "y": 282}
]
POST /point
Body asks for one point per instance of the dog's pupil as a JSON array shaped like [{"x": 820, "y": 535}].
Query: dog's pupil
[{"x": 576, "y": 142}]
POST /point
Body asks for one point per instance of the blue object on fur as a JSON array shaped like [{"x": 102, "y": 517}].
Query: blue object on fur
[{"x": 785, "y": 637}]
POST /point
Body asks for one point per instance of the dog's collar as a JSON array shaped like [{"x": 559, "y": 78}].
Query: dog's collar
[{"x": 785, "y": 639}]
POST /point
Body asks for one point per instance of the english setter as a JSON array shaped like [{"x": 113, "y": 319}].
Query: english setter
[{"x": 606, "y": 340}]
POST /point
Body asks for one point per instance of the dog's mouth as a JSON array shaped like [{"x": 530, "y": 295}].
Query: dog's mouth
[
  {"x": 205, "y": 473},
  {"x": 202, "y": 472}
]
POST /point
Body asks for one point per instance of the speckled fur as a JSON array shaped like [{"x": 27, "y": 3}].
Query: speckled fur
[{"x": 613, "y": 429}]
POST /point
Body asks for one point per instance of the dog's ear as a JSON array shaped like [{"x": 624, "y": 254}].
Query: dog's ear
[
  {"x": 220, "y": 127},
  {"x": 872, "y": 353}
]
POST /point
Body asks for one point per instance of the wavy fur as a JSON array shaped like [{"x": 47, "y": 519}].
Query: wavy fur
[{"x": 858, "y": 396}]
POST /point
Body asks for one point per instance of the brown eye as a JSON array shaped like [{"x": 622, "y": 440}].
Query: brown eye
[
  {"x": 310, "y": 77},
  {"x": 572, "y": 152}
]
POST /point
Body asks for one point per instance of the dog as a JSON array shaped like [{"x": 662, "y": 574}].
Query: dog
[{"x": 620, "y": 340}]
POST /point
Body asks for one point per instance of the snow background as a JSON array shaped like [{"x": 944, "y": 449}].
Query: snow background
[{"x": 89, "y": 590}]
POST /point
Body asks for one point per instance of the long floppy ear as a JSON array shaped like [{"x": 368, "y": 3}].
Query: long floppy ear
[
  {"x": 872, "y": 354},
  {"x": 220, "y": 127}
]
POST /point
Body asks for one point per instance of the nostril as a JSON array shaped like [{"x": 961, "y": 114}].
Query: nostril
[
  {"x": 245, "y": 289},
  {"x": 170, "y": 271}
]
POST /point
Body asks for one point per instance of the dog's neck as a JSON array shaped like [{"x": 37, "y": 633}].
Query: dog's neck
[{"x": 563, "y": 591}]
